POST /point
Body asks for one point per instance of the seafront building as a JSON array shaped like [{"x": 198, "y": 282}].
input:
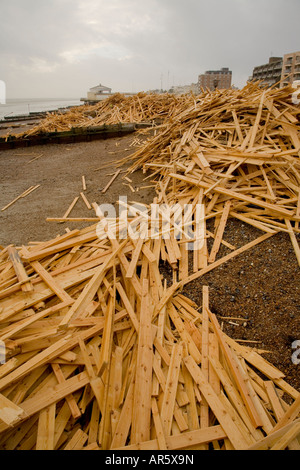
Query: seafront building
[
  {"x": 268, "y": 74},
  {"x": 213, "y": 79},
  {"x": 290, "y": 68},
  {"x": 100, "y": 93},
  {"x": 279, "y": 71}
]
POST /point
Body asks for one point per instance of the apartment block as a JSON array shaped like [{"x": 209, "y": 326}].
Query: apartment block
[
  {"x": 213, "y": 79},
  {"x": 290, "y": 68},
  {"x": 279, "y": 71},
  {"x": 269, "y": 74}
]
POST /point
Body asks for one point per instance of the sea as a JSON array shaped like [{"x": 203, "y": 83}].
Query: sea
[{"x": 17, "y": 107}]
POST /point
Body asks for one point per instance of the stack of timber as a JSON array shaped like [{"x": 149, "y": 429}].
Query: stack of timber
[
  {"x": 233, "y": 150},
  {"x": 102, "y": 354},
  {"x": 114, "y": 110}
]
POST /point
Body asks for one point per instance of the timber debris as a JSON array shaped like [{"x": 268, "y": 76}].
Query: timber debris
[{"x": 101, "y": 353}]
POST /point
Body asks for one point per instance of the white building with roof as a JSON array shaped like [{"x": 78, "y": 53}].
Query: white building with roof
[{"x": 98, "y": 93}]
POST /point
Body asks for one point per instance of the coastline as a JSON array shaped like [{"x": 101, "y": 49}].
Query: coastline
[
  {"x": 16, "y": 121},
  {"x": 27, "y": 107}
]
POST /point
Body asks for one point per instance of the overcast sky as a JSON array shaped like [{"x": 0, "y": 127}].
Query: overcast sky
[{"x": 61, "y": 48}]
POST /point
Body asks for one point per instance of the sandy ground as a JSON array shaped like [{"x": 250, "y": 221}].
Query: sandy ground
[
  {"x": 58, "y": 169},
  {"x": 260, "y": 287}
]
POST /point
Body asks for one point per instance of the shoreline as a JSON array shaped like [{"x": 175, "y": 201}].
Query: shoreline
[{"x": 18, "y": 122}]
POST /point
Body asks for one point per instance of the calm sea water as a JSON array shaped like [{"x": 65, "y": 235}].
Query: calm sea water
[{"x": 16, "y": 107}]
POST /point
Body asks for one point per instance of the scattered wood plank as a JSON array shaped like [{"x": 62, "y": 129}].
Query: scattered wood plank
[
  {"x": 100, "y": 353},
  {"x": 70, "y": 208},
  {"x": 111, "y": 181},
  {"x": 24, "y": 194},
  {"x": 83, "y": 183}
]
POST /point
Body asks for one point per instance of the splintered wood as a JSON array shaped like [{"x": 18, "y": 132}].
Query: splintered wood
[
  {"x": 234, "y": 151},
  {"x": 103, "y": 353},
  {"x": 114, "y": 110}
]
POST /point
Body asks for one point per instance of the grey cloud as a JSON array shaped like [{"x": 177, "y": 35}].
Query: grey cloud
[{"x": 62, "y": 47}]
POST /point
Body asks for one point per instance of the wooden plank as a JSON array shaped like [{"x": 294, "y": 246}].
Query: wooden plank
[
  {"x": 10, "y": 413},
  {"x": 181, "y": 441},
  {"x": 233, "y": 395},
  {"x": 49, "y": 280},
  {"x": 293, "y": 240},
  {"x": 47, "y": 355},
  {"x": 273, "y": 208},
  {"x": 19, "y": 268},
  {"x": 70, "y": 208},
  {"x": 94, "y": 423},
  {"x": 77, "y": 441},
  {"x": 135, "y": 257},
  {"x": 185, "y": 336},
  {"x": 192, "y": 411},
  {"x": 274, "y": 399},
  {"x": 242, "y": 386},
  {"x": 289, "y": 441},
  {"x": 88, "y": 205},
  {"x": 91, "y": 288},
  {"x": 22, "y": 324},
  {"x": 162, "y": 445},
  {"x": 106, "y": 346},
  {"x": 69, "y": 241},
  {"x": 72, "y": 219},
  {"x": 168, "y": 403},
  {"x": 220, "y": 232},
  {"x": 40, "y": 401},
  {"x": 111, "y": 181},
  {"x": 257, "y": 121},
  {"x": 143, "y": 380},
  {"x": 128, "y": 306},
  {"x": 290, "y": 415},
  {"x": 204, "y": 415},
  {"x": 275, "y": 437},
  {"x": 24, "y": 194},
  {"x": 232, "y": 431},
  {"x": 183, "y": 262},
  {"x": 76, "y": 413},
  {"x": 46, "y": 427},
  {"x": 124, "y": 423},
  {"x": 83, "y": 183}
]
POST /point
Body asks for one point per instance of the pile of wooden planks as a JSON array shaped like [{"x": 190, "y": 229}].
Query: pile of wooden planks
[
  {"x": 241, "y": 146},
  {"x": 102, "y": 354},
  {"x": 117, "y": 109},
  {"x": 99, "y": 351}
]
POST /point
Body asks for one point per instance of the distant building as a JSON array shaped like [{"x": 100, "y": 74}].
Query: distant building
[
  {"x": 98, "y": 93},
  {"x": 268, "y": 74},
  {"x": 213, "y": 79},
  {"x": 290, "y": 68},
  {"x": 280, "y": 71},
  {"x": 185, "y": 89}
]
